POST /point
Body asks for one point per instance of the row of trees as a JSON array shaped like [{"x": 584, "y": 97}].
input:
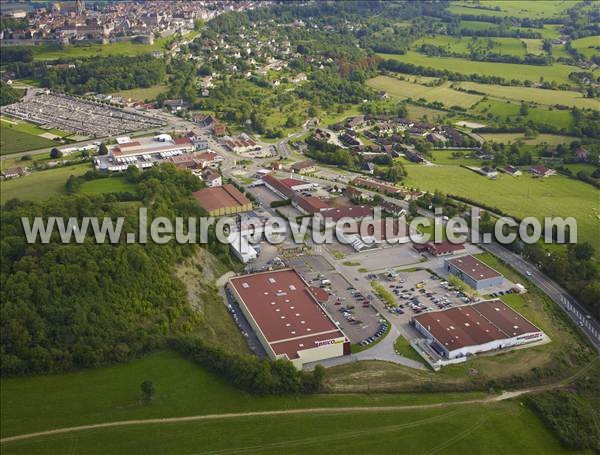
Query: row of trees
[{"x": 248, "y": 372}]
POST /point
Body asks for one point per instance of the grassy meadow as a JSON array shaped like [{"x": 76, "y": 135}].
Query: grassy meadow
[
  {"x": 538, "y": 9},
  {"x": 557, "y": 72},
  {"x": 108, "y": 185},
  {"x": 41, "y": 185},
  {"x": 508, "y": 111},
  {"x": 521, "y": 196},
  {"x": 550, "y": 139},
  {"x": 403, "y": 89},
  {"x": 501, "y": 428},
  {"x": 534, "y": 95},
  {"x": 125, "y": 48},
  {"x": 13, "y": 141},
  {"x": 588, "y": 46},
  {"x": 111, "y": 393},
  {"x": 462, "y": 45},
  {"x": 142, "y": 94}
]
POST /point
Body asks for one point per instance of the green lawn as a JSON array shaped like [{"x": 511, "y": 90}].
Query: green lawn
[
  {"x": 403, "y": 347},
  {"x": 500, "y": 428},
  {"x": 534, "y": 95},
  {"x": 126, "y": 48},
  {"x": 505, "y": 46},
  {"x": 142, "y": 94},
  {"x": 508, "y": 111},
  {"x": 550, "y": 139},
  {"x": 533, "y": 45},
  {"x": 588, "y": 46},
  {"x": 13, "y": 141},
  {"x": 521, "y": 197},
  {"x": 41, "y": 185},
  {"x": 182, "y": 388},
  {"x": 404, "y": 89},
  {"x": 445, "y": 157},
  {"x": 416, "y": 112},
  {"x": 533, "y": 9},
  {"x": 557, "y": 72},
  {"x": 108, "y": 185}
]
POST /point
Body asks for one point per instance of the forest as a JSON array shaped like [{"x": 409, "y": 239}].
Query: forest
[
  {"x": 8, "y": 95},
  {"x": 97, "y": 74}
]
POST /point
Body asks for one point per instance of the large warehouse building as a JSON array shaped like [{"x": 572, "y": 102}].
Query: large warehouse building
[
  {"x": 474, "y": 273},
  {"x": 469, "y": 329},
  {"x": 222, "y": 200},
  {"x": 287, "y": 318}
]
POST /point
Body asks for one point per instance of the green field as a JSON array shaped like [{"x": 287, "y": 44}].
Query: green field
[
  {"x": 510, "y": 46},
  {"x": 508, "y": 111},
  {"x": 19, "y": 136},
  {"x": 533, "y": 46},
  {"x": 515, "y": 8},
  {"x": 108, "y": 185},
  {"x": 12, "y": 140},
  {"x": 500, "y": 428},
  {"x": 557, "y": 72},
  {"x": 41, "y": 185},
  {"x": 534, "y": 95},
  {"x": 522, "y": 197},
  {"x": 550, "y": 139},
  {"x": 142, "y": 94},
  {"x": 126, "y": 48},
  {"x": 588, "y": 46},
  {"x": 445, "y": 157},
  {"x": 404, "y": 89},
  {"x": 184, "y": 389}
]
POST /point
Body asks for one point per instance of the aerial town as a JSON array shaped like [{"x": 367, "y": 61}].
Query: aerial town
[{"x": 442, "y": 146}]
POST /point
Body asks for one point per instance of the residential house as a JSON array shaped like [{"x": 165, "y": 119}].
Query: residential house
[
  {"x": 303, "y": 167},
  {"x": 13, "y": 173},
  {"x": 368, "y": 167},
  {"x": 211, "y": 177},
  {"x": 489, "y": 172},
  {"x": 541, "y": 171},
  {"x": 511, "y": 170}
]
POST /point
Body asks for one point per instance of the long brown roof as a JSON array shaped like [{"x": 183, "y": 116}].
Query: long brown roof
[
  {"x": 285, "y": 310},
  {"x": 472, "y": 325},
  {"x": 474, "y": 268},
  {"x": 220, "y": 197}
]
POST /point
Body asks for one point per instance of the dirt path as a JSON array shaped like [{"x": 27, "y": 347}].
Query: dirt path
[{"x": 337, "y": 410}]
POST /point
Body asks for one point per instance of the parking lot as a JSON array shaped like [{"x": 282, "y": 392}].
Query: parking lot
[
  {"x": 379, "y": 258},
  {"x": 418, "y": 292},
  {"x": 264, "y": 195},
  {"x": 346, "y": 305},
  {"x": 415, "y": 293}
]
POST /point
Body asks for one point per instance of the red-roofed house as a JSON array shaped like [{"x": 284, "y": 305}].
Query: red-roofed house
[{"x": 541, "y": 171}]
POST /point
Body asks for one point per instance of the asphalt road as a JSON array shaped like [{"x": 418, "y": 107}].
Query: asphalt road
[{"x": 588, "y": 325}]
